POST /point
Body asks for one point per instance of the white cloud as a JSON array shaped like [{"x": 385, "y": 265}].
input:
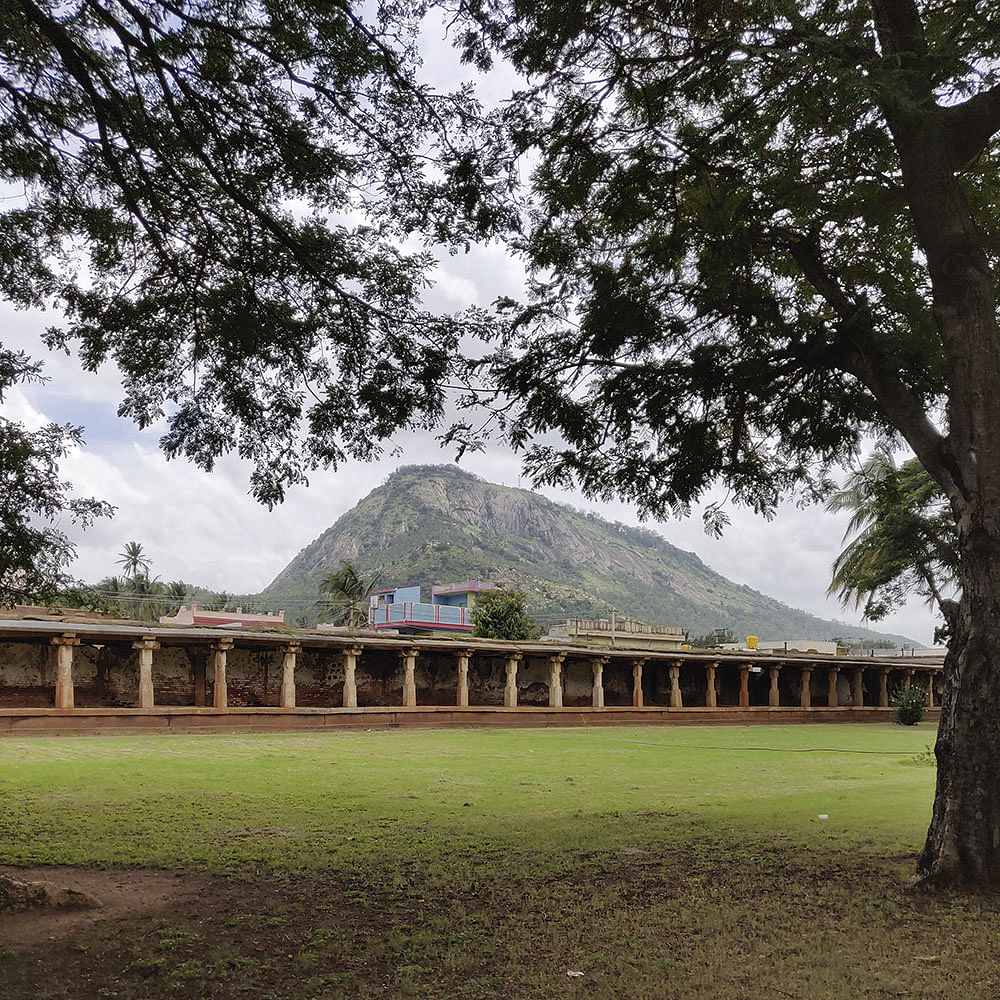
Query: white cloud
[{"x": 17, "y": 408}]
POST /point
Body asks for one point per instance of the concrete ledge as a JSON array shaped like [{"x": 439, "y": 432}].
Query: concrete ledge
[{"x": 48, "y": 721}]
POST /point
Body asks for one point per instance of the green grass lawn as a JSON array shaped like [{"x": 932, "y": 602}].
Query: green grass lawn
[{"x": 659, "y": 862}]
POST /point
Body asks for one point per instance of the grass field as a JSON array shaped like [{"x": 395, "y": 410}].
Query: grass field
[{"x": 657, "y": 862}]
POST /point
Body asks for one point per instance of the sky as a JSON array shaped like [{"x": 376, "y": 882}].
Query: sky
[{"x": 205, "y": 529}]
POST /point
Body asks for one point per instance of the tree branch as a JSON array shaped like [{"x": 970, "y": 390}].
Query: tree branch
[
  {"x": 971, "y": 125},
  {"x": 858, "y": 355}
]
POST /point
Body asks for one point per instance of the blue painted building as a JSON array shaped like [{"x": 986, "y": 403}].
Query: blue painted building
[{"x": 449, "y": 610}]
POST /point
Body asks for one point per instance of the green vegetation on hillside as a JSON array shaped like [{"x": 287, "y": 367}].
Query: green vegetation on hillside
[{"x": 434, "y": 524}]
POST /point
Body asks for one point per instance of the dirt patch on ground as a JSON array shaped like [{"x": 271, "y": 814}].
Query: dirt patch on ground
[
  {"x": 120, "y": 892},
  {"x": 629, "y": 925}
]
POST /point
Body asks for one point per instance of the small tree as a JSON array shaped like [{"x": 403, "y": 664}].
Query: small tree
[
  {"x": 346, "y": 596},
  {"x": 908, "y": 705},
  {"x": 500, "y": 614}
]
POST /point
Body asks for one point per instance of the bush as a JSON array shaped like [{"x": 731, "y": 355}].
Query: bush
[
  {"x": 500, "y": 614},
  {"x": 908, "y": 704}
]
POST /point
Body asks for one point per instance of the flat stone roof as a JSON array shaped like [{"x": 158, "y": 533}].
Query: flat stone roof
[{"x": 118, "y": 631}]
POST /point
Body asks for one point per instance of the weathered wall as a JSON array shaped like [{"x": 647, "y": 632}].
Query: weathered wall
[{"x": 107, "y": 676}]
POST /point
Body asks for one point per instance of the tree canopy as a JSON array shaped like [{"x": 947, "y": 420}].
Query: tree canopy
[
  {"x": 216, "y": 193},
  {"x": 133, "y": 561},
  {"x": 730, "y": 257}
]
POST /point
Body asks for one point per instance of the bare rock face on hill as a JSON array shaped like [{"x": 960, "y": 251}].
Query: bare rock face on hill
[{"x": 433, "y": 524}]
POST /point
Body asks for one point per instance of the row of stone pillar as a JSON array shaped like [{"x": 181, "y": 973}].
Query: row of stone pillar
[
  {"x": 832, "y": 697},
  {"x": 145, "y": 647}
]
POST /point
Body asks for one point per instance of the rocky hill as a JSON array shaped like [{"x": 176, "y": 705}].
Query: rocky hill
[{"x": 433, "y": 524}]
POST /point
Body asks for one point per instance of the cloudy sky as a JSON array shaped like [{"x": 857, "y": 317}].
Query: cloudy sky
[{"x": 205, "y": 529}]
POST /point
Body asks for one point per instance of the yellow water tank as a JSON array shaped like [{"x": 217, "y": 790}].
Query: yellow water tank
[{"x": 751, "y": 642}]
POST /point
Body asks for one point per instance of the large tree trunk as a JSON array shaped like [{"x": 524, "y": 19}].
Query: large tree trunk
[{"x": 963, "y": 842}]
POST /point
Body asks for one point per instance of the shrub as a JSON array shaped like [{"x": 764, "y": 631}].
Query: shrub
[
  {"x": 908, "y": 704},
  {"x": 500, "y": 614}
]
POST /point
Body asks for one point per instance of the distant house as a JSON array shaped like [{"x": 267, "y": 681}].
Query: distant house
[
  {"x": 449, "y": 610},
  {"x": 627, "y": 634},
  {"x": 462, "y": 594},
  {"x": 217, "y": 619}
]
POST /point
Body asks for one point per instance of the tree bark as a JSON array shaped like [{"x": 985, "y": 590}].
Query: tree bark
[{"x": 963, "y": 842}]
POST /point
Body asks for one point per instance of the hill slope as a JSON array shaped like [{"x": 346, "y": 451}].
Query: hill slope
[{"x": 433, "y": 524}]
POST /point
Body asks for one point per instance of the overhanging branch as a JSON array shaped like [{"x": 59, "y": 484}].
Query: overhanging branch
[{"x": 971, "y": 125}]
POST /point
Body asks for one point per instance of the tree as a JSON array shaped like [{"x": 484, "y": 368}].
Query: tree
[
  {"x": 133, "y": 561},
  {"x": 149, "y": 598},
  {"x": 347, "y": 593},
  {"x": 34, "y": 551},
  {"x": 904, "y": 539},
  {"x": 220, "y": 601},
  {"x": 761, "y": 231},
  {"x": 176, "y": 594},
  {"x": 242, "y": 174},
  {"x": 500, "y": 614}
]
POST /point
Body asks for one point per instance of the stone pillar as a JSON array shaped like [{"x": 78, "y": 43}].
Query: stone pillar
[
  {"x": 198, "y": 670},
  {"x": 637, "y": 683},
  {"x": 805, "y": 695},
  {"x": 930, "y": 688},
  {"x": 462, "y": 691},
  {"x": 510, "y": 688},
  {"x": 744, "y": 685},
  {"x": 598, "y": 694},
  {"x": 351, "y": 654},
  {"x": 64, "y": 645},
  {"x": 291, "y": 651},
  {"x": 221, "y": 692},
  {"x": 832, "y": 700},
  {"x": 773, "y": 697},
  {"x": 555, "y": 680},
  {"x": 676, "y": 701},
  {"x": 145, "y": 647},
  {"x": 883, "y": 688},
  {"x": 409, "y": 657},
  {"x": 857, "y": 692},
  {"x": 711, "y": 698}
]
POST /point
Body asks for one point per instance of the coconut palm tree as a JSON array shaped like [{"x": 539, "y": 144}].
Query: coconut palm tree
[
  {"x": 904, "y": 538},
  {"x": 133, "y": 561},
  {"x": 176, "y": 594},
  {"x": 346, "y": 596}
]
